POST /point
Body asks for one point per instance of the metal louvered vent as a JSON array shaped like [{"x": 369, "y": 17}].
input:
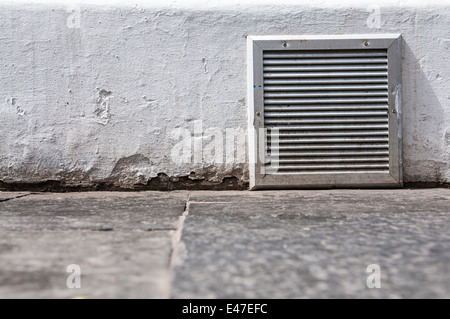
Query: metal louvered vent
[{"x": 325, "y": 111}]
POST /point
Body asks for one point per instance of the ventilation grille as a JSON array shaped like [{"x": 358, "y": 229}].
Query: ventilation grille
[{"x": 330, "y": 109}]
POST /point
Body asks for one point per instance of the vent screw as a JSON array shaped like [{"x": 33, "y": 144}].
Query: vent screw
[
  {"x": 284, "y": 44},
  {"x": 258, "y": 113},
  {"x": 394, "y": 111},
  {"x": 366, "y": 43}
]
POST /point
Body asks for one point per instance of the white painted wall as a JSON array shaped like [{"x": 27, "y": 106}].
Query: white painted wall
[{"x": 93, "y": 92}]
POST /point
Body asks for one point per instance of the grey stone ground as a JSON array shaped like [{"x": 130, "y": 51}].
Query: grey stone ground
[{"x": 280, "y": 244}]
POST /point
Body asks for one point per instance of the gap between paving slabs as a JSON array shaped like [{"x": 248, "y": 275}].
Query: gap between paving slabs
[
  {"x": 4, "y": 197},
  {"x": 174, "y": 259}
]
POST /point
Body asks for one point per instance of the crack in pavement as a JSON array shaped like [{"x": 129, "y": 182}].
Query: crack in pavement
[
  {"x": 176, "y": 242},
  {"x": 17, "y": 197}
]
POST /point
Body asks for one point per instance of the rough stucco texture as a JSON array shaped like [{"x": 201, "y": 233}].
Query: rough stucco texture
[{"x": 93, "y": 94}]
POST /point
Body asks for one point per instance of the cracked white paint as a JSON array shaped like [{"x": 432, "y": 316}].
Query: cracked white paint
[{"x": 93, "y": 90}]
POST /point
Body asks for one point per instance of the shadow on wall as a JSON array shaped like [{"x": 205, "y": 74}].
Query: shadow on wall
[{"x": 423, "y": 126}]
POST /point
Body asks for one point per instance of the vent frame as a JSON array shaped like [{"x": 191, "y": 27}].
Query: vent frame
[{"x": 262, "y": 180}]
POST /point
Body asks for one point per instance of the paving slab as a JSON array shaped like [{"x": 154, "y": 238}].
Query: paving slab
[
  {"x": 122, "y": 243},
  {"x": 94, "y": 211},
  {"x": 112, "y": 264},
  {"x": 315, "y": 244},
  {"x": 271, "y": 244}
]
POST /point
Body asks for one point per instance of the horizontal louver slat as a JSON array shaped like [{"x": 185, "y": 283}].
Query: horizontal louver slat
[
  {"x": 327, "y": 121},
  {"x": 324, "y": 54},
  {"x": 331, "y": 153},
  {"x": 331, "y": 74},
  {"x": 317, "y": 61},
  {"x": 282, "y": 95},
  {"x": 329, "y": 147},
  {"x": 326, "y": 134},
  {"x": 315, "y": 68},
  {"x": 365, "y": 87},
  {"x": 333, "y": 140},
  {"x": 328, "y": 127},
  {"x": 340, "y": 81},
  {"x": 351, "y": 100},
  {"x": 323, "y": 114},
  {"x": 337, "y": 166}
]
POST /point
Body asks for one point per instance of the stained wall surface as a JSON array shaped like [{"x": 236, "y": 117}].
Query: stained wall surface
[{"x": 121, "y": 93}]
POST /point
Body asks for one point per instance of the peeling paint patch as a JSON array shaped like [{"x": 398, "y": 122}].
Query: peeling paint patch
[
  {"x": 447, "y": 137},
  {"x": 149, "y": 102},
  {"x": 132, "y": 170},
  {"x": 165, "y": 183},
  {"x": 162, "y": 182}
]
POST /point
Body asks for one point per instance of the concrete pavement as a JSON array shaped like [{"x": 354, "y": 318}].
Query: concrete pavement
[{"x": 277, "y": 244}]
